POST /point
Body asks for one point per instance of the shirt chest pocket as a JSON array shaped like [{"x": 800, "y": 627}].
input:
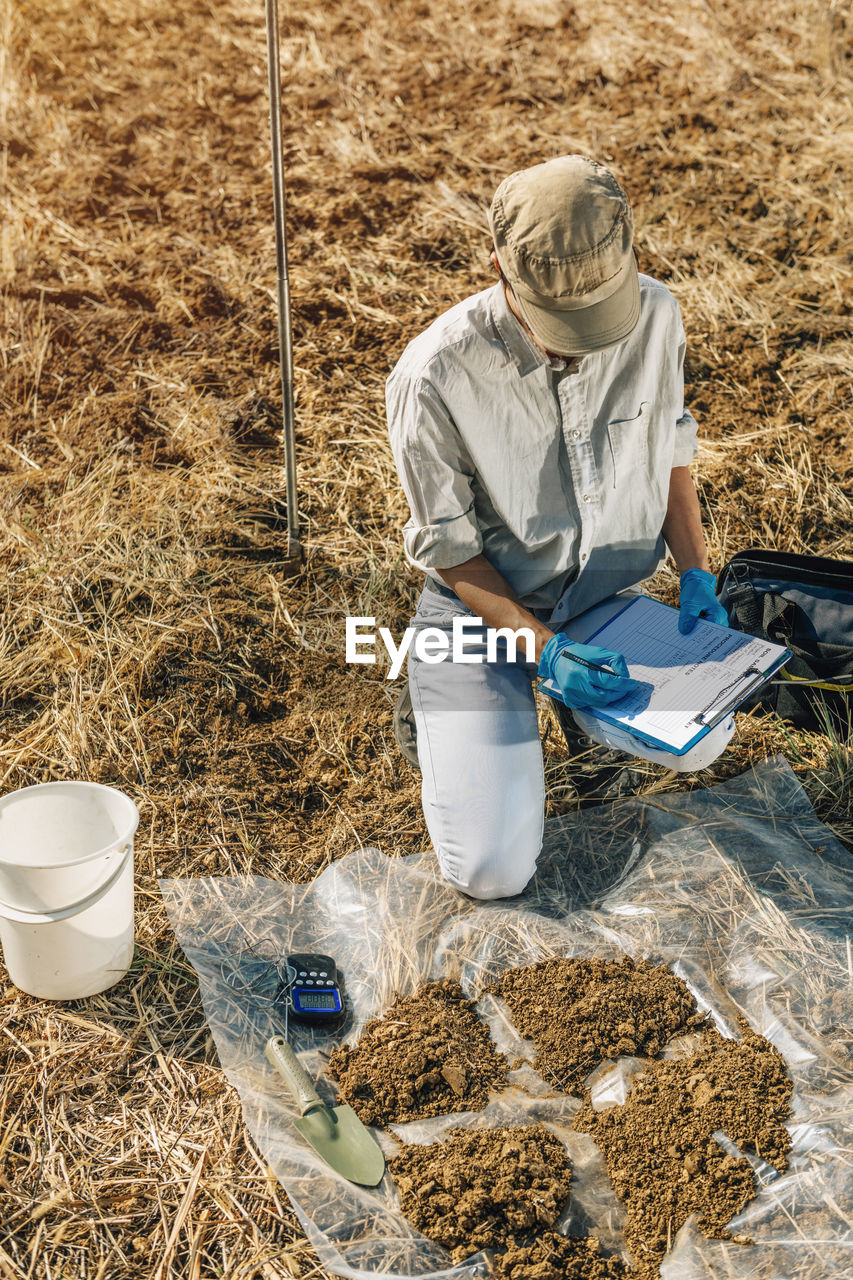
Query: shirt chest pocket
[{"x": 628, "y": 438}]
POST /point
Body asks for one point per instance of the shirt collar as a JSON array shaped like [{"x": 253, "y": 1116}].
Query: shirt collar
[{"x": 520, "y": 347}]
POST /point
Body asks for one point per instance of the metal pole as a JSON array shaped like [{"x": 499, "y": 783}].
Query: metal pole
[{"x": 285, "y": 343}]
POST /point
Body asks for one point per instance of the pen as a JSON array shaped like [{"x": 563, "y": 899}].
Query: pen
[{"x": 590, "y": 666}]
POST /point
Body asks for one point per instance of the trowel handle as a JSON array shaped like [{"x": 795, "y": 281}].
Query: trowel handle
[{"x": 297, "y": 1079}]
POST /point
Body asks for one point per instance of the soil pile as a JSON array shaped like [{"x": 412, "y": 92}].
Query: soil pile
[
  {"x": 429, "y": 1054},
  {"x": 556, "y": 1257},
  {"x": 659, "y": 1147},
  {"x": 479, "y": 1188},
  {"x": 581, "y": 1012}
]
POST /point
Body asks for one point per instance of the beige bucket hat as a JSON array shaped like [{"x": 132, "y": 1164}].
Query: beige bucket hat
[{"x": 563, "y": 234}]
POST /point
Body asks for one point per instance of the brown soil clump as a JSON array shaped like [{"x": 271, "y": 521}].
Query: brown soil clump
[
  {"x": 428, "y": 1055},
  {"x": 581, "y": 1012},
  {"x": 556, "y": 1257},
  {"x": 659, "y": 1147},
  {"x": 479, "y": 1188}
]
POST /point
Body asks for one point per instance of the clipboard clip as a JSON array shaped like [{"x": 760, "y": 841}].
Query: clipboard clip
[{"x": 726, "y": 701}]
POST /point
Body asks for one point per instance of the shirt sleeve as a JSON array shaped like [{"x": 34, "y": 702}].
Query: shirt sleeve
[
  {"x": 686, "y": 428},
  {"x": 436, "y": 473}
]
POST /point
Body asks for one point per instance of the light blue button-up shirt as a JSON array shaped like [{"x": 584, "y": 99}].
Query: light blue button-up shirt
[{"x": 560, "y": 478}]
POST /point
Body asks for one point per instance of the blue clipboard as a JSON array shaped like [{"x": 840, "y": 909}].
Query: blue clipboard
[{"x": 724, "y": 703}]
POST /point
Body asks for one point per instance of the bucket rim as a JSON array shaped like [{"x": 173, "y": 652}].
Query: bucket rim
[{"x": 114, "y": 845}]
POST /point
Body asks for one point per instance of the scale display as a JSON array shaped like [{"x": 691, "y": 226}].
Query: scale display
[{"x": 318, "y": 1000}]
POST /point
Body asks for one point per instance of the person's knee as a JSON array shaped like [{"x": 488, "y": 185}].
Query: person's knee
[
  {"x": 498, "y": 868},
  {"x": 488, "y": 882}
]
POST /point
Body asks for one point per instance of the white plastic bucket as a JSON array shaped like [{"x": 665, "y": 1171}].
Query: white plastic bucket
[{"x": 66, "y": 887}]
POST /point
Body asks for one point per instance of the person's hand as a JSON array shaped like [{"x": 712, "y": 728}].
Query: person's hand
[
  {"x": 697, "y": 600},
  {"x": 576, "y": 671}
]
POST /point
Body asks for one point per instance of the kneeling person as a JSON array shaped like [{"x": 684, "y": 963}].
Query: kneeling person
[{"x": 540, "y": 435}]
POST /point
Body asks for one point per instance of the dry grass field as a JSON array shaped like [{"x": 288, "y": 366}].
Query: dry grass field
[{"x": 149, "y": 635}]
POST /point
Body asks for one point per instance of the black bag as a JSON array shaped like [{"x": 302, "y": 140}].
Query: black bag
[{"x": 806, "y": 604}]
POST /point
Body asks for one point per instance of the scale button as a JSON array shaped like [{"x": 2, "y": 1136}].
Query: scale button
[
  {"x": 309, "y": 982},
  {"x": 329, "y": 982},
  {"x": 323, "y": 973},
  {"x": 302, "y": 973},
  {"x": 313, "y": 973}
]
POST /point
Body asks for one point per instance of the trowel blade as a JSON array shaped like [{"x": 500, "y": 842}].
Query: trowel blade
[{"x": 340, "y": 1138}]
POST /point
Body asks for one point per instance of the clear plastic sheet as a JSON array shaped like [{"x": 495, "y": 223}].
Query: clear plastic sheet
[{"x": 738, "y": 887}]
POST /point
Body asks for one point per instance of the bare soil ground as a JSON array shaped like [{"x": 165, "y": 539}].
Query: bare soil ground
[{"x": 148, "y": 634}]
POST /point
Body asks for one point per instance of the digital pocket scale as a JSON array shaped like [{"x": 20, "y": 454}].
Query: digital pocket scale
[{"x": 315, "y": 990}]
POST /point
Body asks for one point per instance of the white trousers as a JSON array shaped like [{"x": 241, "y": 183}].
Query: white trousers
[{"x": 483, "y": 788}]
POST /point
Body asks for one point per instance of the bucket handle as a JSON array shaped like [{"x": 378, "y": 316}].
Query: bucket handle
[{"x": 22, "y": 916}]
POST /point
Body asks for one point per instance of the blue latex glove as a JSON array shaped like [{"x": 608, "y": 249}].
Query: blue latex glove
[
  {"x": 698, "y": 600},
  {"x": 574, "y": 668}
]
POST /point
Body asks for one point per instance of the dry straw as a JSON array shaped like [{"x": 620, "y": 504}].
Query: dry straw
[{"x": 148, "y": 634}]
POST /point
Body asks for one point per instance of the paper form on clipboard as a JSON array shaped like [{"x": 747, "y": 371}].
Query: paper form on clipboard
[{"x": 688, "y": 684}]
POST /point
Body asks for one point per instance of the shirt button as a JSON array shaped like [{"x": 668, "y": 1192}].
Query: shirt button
[
  {"x": 576, "y": 435},
  {"x": 586, "y": 497},
  {"x": 583, "y": 557}
]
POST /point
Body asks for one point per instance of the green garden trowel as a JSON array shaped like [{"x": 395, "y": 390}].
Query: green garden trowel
[{"x": 335, "y": 1133}]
